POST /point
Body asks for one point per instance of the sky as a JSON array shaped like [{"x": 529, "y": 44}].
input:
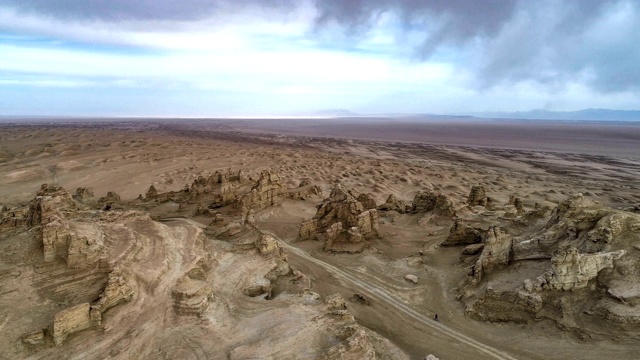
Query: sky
[{"x": 215, "y": 58}]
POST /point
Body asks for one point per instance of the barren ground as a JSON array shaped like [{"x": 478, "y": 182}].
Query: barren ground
[{"x": 540, "y": 162}]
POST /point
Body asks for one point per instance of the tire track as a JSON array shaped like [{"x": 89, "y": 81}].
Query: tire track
[{"x": 390, "y": 300}]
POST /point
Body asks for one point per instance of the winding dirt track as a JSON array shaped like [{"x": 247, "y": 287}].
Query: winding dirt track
[{"x": 382, "y": 295}]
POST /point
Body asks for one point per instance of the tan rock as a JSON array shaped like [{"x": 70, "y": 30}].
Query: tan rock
[
  {"x": 432, "y": 201},
  {"x": 191, "y": 297},
  {"x": 462, "y": 234},
  {"x": 69, "y": 321},
  {"x": 393, "y": 204},
  {"x": 477, "y": 196},
  {"x": 572, "y": 270},
  {"x": 497, "y": 251}
]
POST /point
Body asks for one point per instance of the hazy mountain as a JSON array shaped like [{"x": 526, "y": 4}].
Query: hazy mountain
[{"x": 586, "y": 114}]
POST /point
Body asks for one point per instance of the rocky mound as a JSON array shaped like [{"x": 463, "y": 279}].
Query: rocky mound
[
  {"x": 122, "y": 282},
  {"x": 571, "y": 269},
  {"x": 342, "y": 222}
]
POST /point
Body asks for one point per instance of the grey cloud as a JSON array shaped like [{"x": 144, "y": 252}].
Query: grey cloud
[
  {"x": 546, "y": 41},
  {"x": 133, "y": 10},
  {"x": 551, "y": 42}
]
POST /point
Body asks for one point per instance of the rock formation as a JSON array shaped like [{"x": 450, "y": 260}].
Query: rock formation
[
  {"x": 342, "y": 220},
  {"x": 462, "y": 234},
  {"x": 268, "y": 191},
  {"x": 571, "y": 270},
  {"x": 576, "y": 222},
  {"x": 110, "y": 199},
  {"x": 367, "y": 201},
  {"x": 477, "y": 196},
  {"x": 497, "y": 251},
  {"x": 118, "y": 290},
  {"x": 515, "y": 306},
  {"x": 393, "y": 204},
  {"x": 431, "y": 201},
  {"x": 71, "y": 320},
  {"x": 191, "y": 296}
]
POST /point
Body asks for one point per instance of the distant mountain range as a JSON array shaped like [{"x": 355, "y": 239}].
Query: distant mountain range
[{"x": 586, "y": 114}]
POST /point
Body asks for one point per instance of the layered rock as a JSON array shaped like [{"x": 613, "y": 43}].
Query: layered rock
[
  {"x": 118, "y": 290},
  {"x": 514, "y": 306},
  {"x": 367, "y": 201},
  {"x": 463, "y": 234},
  {"x": 342, "y": 220},
  {"x": 497, "y": 251},
  {"x": 580, "y": 223},
  {"x": 431, "y": 201},
  {"x": 191, "y": 296},
  {"x": 268, "y": 191},
  {"x": 393, "y": 204},
  {"x": 572, "y": 270},
  {"x": 71, "y": 320},
  {"x": 477, "y": 196},
  {"x": 110, "y": 199}
]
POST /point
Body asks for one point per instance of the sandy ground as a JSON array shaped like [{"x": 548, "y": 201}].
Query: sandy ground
[{"x": 539, "y": 162}]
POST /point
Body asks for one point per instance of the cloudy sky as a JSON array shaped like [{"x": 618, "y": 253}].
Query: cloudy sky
[{"x": 264, "y": 57}]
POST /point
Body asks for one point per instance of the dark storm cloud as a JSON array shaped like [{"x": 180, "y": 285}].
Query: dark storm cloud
[
  {"x": 456, "y": 21},
  {"x": 133, "y": 10},
  {"x": 551, "y": 42}
]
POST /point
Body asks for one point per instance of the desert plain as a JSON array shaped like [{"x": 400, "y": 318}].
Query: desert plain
[{"x": 319, "y": 239}]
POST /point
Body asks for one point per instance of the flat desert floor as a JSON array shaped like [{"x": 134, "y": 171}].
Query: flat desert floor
[{"x": 540, "y": 163}]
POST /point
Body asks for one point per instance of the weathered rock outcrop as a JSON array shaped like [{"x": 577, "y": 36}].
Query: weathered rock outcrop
[
  {"x": 462, "y": 234},
  {"x": 514, "y": 306},
  {"x": 268, "y": 191},
  {"x": 71, "y": 320},
  {"x": 431, "y": 201},
  {"x": 191, "y": 296},
  {"x": 477, "y": 196},
  {"x": 517, "y": 202},
  {"x": 580, "y": 223},
  {"x": 83, "y": 195},
  {"x": 342, "y": 220},
  {"x": 367, "y": 201},
  {"x": 220, "y": 183},
  {"x": 572, "y": 270},
  {"x": 393, "y": 204},
  {"x": 110, "y": 199},
  {"x": 119, "y": 289},
  {"x": 497, "y": 251},
  {"x": 354, "y": 344}
]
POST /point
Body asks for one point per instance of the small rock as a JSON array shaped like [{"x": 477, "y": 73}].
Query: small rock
[{"x": 411, "y": 278}]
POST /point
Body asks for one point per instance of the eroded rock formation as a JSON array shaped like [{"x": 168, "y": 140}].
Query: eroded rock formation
[
  {"x": 432, "y": 201},
  {"x": 462, "y": 234},
  {"x": 344, "y": 223},
  {"x": 477, "y": 196}
]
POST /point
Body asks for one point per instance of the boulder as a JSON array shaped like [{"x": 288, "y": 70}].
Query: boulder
[{"x": 411, "y": 278}]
